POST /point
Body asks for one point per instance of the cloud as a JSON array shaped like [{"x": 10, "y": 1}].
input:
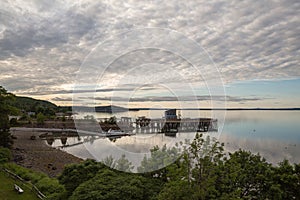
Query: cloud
[
  {"x": 61, "y": 99},
  {"x": 43, "y": 44},
  {"x": 128, "y": 87},
  {"x": 179, "y": 98}
]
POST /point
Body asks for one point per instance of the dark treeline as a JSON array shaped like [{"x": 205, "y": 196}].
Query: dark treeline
[{"x": 18, "y": 105}]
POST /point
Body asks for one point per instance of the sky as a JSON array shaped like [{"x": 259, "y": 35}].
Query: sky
[{"x": 152, "y": 53}]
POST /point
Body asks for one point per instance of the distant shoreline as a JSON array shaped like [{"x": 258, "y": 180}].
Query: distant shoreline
[{"x": 113, "y": 109}]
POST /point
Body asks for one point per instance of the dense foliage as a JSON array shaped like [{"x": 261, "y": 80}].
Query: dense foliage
[
  {"x": 203, "y": 171},
  {"x": 5, "y": 98},
  {"x": 76, "y": 174},
  {"x": 109, "y": 184},
  {"x": 5, "y": 155},
  {"x": 28, "y": 104},
  {"x": 17, "y": 105}
]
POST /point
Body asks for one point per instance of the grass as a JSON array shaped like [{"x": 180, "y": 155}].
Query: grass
[{"x": 7, "y": 191}]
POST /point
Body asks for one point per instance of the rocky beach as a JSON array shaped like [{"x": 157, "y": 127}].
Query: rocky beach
[{"x": 30, "y": 151}]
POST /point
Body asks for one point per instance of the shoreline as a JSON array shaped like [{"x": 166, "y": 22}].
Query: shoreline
[{"x": 38, "y": 156}]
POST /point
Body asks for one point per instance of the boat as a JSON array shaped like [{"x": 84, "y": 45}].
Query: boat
[{"x": 115, "y": 133}]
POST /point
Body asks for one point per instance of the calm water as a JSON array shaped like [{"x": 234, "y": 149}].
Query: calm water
[{"x": 274, "y": 134}]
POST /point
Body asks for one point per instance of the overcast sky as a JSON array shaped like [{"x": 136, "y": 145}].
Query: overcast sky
[{"x": 252, "y": 45}]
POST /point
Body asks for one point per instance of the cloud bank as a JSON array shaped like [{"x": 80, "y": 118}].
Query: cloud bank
[{"x": 42, "y": 43}]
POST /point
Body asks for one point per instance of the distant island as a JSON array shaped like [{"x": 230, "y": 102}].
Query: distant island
[{"x": 110, "y": 109}]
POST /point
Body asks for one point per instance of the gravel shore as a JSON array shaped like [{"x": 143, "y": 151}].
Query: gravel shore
[{"x": 35, "y": 154}]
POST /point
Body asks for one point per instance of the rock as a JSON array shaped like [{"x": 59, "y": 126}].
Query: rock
[
  {"x": 32, "y": 137},
  {"x": 18, "y": 158}
]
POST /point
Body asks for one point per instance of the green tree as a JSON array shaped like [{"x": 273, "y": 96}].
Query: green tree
[
  {"x": 194, "y": 174},
  {"x": 75, "y": 174},
  {"x": 51, "y": 188},
  {"x": 13, "y": 122},
  {"x": 177, "y": 190},
  {"x": 40, "y": 118},
  {"x": 159, "y": 159},
  {"x": 246, "y": 176},
  {"x": 287, "y": 176},
  {"x": 206, "y": 155},
  {"x": 114, "y": 185},
  {"x": 5, "y": 155},
  {"x": 5, "y": 137},
  {"x": 123, "y": 164},
  {"x": 109, "y": 161}
]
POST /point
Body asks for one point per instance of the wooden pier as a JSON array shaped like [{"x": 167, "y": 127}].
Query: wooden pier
[
  {"x": 170, "y": 123},
  {"x": 176, "y": 125}
]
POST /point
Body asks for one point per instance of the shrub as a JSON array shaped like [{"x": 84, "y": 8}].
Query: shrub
[
  {"x": 50, "y": 186},
  {"x": 5, "y": 155}
]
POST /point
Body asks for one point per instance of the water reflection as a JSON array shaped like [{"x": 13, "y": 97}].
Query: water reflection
[
  {"x": 136, "y": 147},
  {"x": 141, "y": 143},
  {"x": 273, "y": 150},
  {"x": 273, "y": 134}
]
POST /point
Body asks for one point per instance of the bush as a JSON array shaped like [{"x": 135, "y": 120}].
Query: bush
[
  {"x": 5, "y": 155},
  {"x": 13, "y": 122},
  {"x": 113, "y": 185},
  {"x": 48, "y": 186},
  {"x": 26, "y": 174},
  {"x": 40, "y": 118},
  {"x": 75, "y": 174},
  {"x": 5, "y": 138}
]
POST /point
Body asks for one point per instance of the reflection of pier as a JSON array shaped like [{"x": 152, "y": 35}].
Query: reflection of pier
[{"x": 64, "y": 140}]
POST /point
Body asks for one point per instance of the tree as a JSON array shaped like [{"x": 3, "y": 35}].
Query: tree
[
  {"x": 194, "y": 174},
  {"x": 110, "y": 184},
  {"x": 287, "y": 176},
  {"x": 206, "y": 156},
  {"x": 156, "y": 164},
  {"x": 123, "y": 164},
  {"x": 177, "y": 190},
  {"x": 5, "y": 137},
  {"x": 5, "y": 155},
  {"x": 51, "y": 188},
  {"x": 202, "y": 171},
  {"x": 245, "y": 176},
  {"x": 75, "y": 174},
  {"x": 13, "y": 122},
  {"x": 40, "y": 118},
  {"x": 109, "y": 161}
]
